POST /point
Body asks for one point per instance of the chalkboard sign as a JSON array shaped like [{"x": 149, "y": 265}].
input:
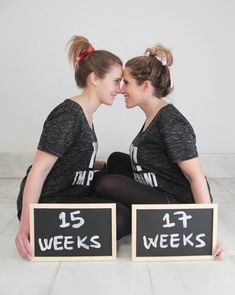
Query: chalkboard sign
[
  {"x": 73, "y": 231},
  {"x": 173, "y": 232}
]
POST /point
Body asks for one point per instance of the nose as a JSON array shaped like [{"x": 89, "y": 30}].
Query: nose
[{"x": 122, "y": 89}]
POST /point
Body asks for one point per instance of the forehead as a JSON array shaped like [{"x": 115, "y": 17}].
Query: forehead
[
  {"x": 127, "y": 75},
  {"x": 116, "y": 71}
]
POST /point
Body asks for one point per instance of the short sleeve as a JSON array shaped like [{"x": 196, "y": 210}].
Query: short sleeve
[
  {"x": 58, "y": 133},
  {"x": 179, "y": 139}
]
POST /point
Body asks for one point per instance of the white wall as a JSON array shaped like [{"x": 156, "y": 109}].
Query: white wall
[{"x": 35, "y": 74}]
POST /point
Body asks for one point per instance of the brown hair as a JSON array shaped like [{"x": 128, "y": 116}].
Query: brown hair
[
  {"x": 99, "y": 61},
  {"x": 151, "y": 67}
]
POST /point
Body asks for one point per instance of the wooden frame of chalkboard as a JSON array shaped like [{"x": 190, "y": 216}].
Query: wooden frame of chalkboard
[
  {"x": 73, "y": 232},
  {"x": 174, "y": 232}
]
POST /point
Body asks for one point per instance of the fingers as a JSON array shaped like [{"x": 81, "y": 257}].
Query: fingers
[
  {"x": 219, "y": 252},
  {"x": 23, "y": 246}
]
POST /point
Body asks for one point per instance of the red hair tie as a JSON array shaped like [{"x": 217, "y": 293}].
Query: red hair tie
[{"x": 84, "y": 54}]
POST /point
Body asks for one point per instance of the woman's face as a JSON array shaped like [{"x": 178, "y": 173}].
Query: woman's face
[
  {"x": 109, "y": 86},
  {"x": 132, "y": 91}
]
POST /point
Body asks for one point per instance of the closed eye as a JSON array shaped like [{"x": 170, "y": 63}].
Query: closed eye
[
  {"x": 125, "y": 82},
  {"x": 117, "y": 82}
]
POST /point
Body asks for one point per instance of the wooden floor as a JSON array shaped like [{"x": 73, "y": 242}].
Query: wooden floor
[{"x": 122, "y": 276}]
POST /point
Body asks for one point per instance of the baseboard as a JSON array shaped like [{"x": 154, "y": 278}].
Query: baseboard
[{"x": 14, "y": 165}]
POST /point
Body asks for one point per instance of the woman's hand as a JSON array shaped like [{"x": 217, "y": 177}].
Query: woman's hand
[
  {"x": 23, "y": 246},
  {"x": 99, "y": 165},
  {"x": 219, "y": 252},
  {"x": 42, "y": 165}
]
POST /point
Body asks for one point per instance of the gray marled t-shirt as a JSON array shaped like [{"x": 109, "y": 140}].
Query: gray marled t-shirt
[
  {"x": 155, "y": 152},
  {"x": 67, "y": 134}
]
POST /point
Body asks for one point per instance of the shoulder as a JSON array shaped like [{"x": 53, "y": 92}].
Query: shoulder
[
  {"x": 178, "y": 135},
  {"x": 67, "y": 113},
  {"x": 66, "y": 108},
  {"x": 171, "y": 112},
  {"x": 64, "y": 117},
  {"x": 171, "y": 116},
  {"x": 172, "y": 123}
]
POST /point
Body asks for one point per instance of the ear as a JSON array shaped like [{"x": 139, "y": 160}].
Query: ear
[
  {"x": 147, "y": 85},
  {"x": 94, "y": 79}
]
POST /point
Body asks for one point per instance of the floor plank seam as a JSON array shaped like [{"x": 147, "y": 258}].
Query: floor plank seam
[
  {"x": 54, "y": 278},
  {"x": 7, "y": 224}
]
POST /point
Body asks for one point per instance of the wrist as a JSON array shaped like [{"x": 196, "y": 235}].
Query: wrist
[
  {"x": 104, "y": 165},
  {"x": 24, "y": 228}
]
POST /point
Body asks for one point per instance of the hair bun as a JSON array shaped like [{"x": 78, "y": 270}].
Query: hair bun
[
  {"x": 162, "y": 53},
  {"x": 77, "y": 45}
]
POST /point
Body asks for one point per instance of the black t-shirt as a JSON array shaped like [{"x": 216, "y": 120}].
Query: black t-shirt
[
  {"x": 67, "y": 134},
  {"x": 155, "y": 152}
]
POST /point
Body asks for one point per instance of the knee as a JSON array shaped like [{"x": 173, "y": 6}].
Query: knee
[
  {"x": 118, "y": 162},
  {"x": 114, "y": 158},
  {"x": 104, "y": 184}
]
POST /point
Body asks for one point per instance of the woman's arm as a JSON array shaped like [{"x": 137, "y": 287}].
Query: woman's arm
[
  {"x": 42, "y": 164},
  {"x": 192, "y": 170},
  {"x": 99, "y": 164}
]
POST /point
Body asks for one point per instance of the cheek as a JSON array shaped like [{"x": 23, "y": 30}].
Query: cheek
[
  {"x": 135, "y": 96},
  {"x": 110, "y": 86},
  {"x": 132, "y": 91},
  {"x": 107, "y": 88},
  {"x": 127, "y": 88}
]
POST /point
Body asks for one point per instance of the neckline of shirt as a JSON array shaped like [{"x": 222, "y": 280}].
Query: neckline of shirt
[
  {"x": 154, "y": 119},
  {"x": 83, "y": 113}
]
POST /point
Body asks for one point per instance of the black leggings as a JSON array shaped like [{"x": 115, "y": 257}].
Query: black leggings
[
  {"x": 118, "y": 184},
  {"x": 123, "y": 214}
]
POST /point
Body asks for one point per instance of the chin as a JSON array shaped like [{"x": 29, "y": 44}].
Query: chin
[
  {"x": 108, "y": 103},
  {"x": 129, "y": 106}
]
